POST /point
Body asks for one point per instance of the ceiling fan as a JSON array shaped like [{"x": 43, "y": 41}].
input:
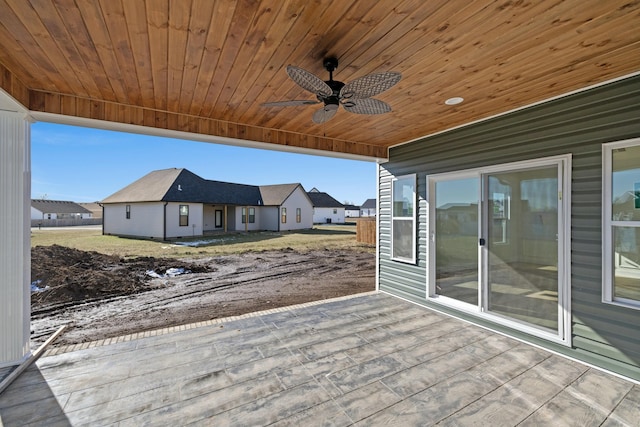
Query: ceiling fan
[{"x": 354, "y": 96}]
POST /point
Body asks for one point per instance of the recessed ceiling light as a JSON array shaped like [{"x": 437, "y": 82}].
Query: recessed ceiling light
[{"x": 454, "y": 101}]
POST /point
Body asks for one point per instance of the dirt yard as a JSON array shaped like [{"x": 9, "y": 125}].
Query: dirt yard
[{"x": 99, "y": 296}]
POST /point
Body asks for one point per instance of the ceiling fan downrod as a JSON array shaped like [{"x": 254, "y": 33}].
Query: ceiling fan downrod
[{"x": 331, "y": 102}]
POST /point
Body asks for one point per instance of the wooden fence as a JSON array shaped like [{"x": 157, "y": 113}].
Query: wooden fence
[{"x": 366, "y": 231}]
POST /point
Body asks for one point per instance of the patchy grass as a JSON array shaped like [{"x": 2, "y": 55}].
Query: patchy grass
[{"x": 320, "y": 237}]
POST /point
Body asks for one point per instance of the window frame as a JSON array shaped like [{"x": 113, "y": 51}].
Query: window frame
[
  {"x": 298, "y": 215},
  {"x": 283, "y": 215},
  {"x": 248, "y": 215},
  {"x": 127, "y": 210},
  {"x": 412, "y": 219},
  {"x": 181, "y": 216},
  {"x": 608, "y": 225}
]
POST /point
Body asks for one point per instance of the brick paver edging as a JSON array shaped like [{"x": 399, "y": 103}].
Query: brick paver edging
[{"x": 123, "y": 338}]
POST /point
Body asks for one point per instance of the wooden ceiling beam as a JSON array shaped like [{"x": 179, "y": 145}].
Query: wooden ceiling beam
[
  {"x": 68, "y": 105},
  {"x": 13, "y": 86}
]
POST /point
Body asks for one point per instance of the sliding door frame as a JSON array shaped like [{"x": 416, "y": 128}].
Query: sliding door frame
[{"x": 563, "y": 163}]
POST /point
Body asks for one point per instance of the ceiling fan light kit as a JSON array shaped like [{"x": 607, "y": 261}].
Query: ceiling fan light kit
[{"x": 355, "y": 96}]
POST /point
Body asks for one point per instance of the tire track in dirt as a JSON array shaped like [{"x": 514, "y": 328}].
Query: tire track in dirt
[{"x": 231, "y": 285}]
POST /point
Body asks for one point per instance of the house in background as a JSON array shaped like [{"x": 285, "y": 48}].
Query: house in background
[
  {"x": 368, "y": 208},
  {"x": 326, "y": 209},
  {"x": 351, "y": 211},
  {"x": 94, "y": 208},
  {"x": 173, "y": 203},
  {"x": 42, "y": 209}
]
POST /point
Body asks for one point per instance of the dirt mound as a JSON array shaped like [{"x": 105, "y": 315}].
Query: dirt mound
[{"x": 70, "y": 275}]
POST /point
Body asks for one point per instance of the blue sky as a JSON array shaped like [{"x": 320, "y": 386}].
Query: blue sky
[{"x": 86, "y": 165}]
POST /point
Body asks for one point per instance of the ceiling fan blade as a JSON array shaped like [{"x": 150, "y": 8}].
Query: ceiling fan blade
[
  {"x": 292, "y": 103},
  {"x": 366, "y": 106},
  {"x": 369, "y": 85},
  {"x": 308, "y": 81},
  {"x": 325, "y": 113}
]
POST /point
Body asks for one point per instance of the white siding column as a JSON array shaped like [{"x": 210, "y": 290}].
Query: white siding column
[{"x": 15, "y": 239}]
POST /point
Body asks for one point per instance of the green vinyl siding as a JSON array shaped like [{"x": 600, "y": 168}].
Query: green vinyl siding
[{"x": 602, "y": 334}]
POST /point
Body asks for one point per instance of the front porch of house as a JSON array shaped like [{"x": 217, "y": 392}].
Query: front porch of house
[{"x": 370, "y": 359}]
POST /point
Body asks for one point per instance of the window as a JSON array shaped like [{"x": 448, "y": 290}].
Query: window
[
  {"x": 184, "y": 215},
  {"x": 298, "y": 215},
  {"x": 252, "y": 215},
  {"x": 621, "y": 223},
  {"x": 335, "y": 211},
  {"x": 283, "y": 215},
  {"x": 403, "y": 222},
  {"x": 128, "y": 211}
]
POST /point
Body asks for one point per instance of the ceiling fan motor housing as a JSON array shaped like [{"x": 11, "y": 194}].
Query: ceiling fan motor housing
[{"x": 334, "y": 99}]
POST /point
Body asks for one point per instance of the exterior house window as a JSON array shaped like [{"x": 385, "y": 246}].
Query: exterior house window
[
  {"x": 128, "y": 211},
  {"x": 403, "y": 219},
  {"x": 298, "y": 215},
  {"x": 252, "y": 215},
  {"x": 621, "y": 223},
  {"x": 184, "y": 215},
  {"x": 283, "y": 215},
  {"x": 335, "y": 211}
]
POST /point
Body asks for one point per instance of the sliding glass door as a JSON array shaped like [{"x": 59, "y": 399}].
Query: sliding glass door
[
  {"x": 456, "y": 239},
  {"x": 522, "y": 245},
  {"x": 497, "y": 244}
]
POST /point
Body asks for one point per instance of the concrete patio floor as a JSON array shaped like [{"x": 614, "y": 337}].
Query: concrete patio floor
[{"x": 367, "y": 360}]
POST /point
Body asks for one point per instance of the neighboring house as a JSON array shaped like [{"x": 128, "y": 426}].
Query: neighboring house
[
  {"x": 368, "y": 208},
  {"x": 173, "y": 203},
  {"x": 351, "y": 211},
  {"x": 326, "y": 209},
  {"x": 533, "y": 224},
  {"x": 57, "y": 210},
  {"x": 94, "y": 208}
]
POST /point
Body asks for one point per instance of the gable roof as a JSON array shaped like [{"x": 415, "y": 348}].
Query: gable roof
[
  {"x": 58, "y": 206},
  {"x": 275, "y": 195},
  {"x": 323, "y": 200},
  {"x": 182, "y": 185},
  {"x": 351, "y": 208},
  {"x": 369, "y": 204},
  {"x": 189, "y": 187},
  {"x": 150, "y": 188}
]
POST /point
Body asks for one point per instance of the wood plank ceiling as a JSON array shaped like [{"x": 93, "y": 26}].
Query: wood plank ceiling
[{"x": 205, "y": 66}]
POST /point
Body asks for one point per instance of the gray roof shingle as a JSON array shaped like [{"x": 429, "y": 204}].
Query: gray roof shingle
[
  {"x": 323, "y": 200},
  {"x": 182, "y": 185},
  {"x": 369, "y": 204},
  {"x": 58, "y": 207},
  {"x": 275, "y": 195}
]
